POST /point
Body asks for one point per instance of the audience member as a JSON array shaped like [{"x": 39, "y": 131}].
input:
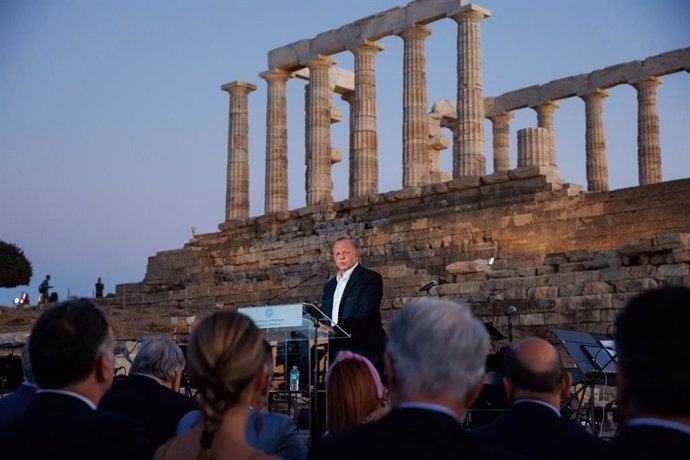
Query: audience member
[
  {"x": 71, "y": 352},
  {"x": 535, "y": 383},
  {"x": 652, "y": 336},
  {"x": 15, "y": 403},
  {"x": 274, "y": 434},
  {"x": 353, "y": 391},
  {"x": 435, "y": 359},
  {"x": 226, "y": 362},
  {"x": 150, "y": 394}
]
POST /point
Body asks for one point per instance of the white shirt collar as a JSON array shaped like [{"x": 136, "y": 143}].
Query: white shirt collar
[
  {"x": 650, "y": 421},
  {"x": 429, "y": 406},
  {"x": 537, "y": 401},
  {"x": 346, "y": 275},
  {"x": 86, "y": 401}
]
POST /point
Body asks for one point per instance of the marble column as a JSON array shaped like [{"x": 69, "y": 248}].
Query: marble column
[
  {"x": 648, "y": 148},
  {"x": 276, "y": 187},
  {"x": 415, "y": 112},
  {"x": 469, "y": 157},
  {"x": 318, "y": 132},
  {"x": 595, "y": 141},
  {"x": 545, "y": 120},
  {"x": 501, "y": 141},
  {"x": 364, "y": 170},
  {"x": 237, "y": 192},
  {"x": 533, "y": 147}
]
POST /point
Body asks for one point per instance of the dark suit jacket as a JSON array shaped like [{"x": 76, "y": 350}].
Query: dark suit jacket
[
  {"x": 538, "y": 432},
  {"x": 15, "y": 403},
  {"x": 155, "y": 407},
  {"x": 56, "y": 427},
  {"x": 649, "y": 443},
  {"x": 404, "y": 434},
  {"x": 359, "y": 314}
]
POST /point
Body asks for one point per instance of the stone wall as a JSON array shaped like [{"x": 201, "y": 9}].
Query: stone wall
[{"x": 564, "y": 257}]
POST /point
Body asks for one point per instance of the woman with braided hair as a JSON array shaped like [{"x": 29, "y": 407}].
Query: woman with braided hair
[{"x": 226, "y": 362}]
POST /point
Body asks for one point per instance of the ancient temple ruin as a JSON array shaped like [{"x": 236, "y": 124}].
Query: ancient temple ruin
[{"x": 562, "y": 254}]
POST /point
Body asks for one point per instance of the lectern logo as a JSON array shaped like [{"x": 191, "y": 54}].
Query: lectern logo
[{"x": 268, "y": 311}]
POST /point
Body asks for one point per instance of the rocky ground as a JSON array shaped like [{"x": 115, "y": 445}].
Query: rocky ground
[{"x": 127, "y": 323}]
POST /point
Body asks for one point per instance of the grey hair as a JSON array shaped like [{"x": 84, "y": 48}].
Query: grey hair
[
  {"x": 26, "y": 364},
  {"x": 159, "y": 356},
  {"x": 438, "y": 347}
]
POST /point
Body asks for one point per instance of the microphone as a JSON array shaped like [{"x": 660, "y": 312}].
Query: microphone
[
  {"x": 308, "y": 278},
  {"x": 510, "y": 310},
  {"x": 432, "y": 283}
]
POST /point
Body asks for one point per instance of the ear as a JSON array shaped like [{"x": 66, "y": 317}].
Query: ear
[
  {"x": 474, "y": 394},
  {"x": 566, "y": 383},
  {"x": 509, "y": 388},
  {"x": 390, "y": 371},
  {"x": 177, "y": 381},
  {"x": 103, "y": 369}
]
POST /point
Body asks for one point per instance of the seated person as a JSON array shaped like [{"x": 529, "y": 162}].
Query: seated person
[
  {"x": 151, "y": 393},
  {"x": 227, "y": 366},
  {"x": 16, "y": 402},
  {"x": 272, "y": 433},
  {"x": 353, "y": 392},
  {"x": 535, "y": 383}
]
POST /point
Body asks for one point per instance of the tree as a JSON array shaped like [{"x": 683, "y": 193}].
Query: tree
[{"x": 15, "y": 268}]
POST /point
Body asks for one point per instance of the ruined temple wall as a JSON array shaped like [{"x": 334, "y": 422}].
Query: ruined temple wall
[{"x": 564, "y": 257}]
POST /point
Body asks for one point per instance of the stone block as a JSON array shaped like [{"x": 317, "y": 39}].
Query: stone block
[
  {"x": 635, "y": 285},
  {"x": 552, "y": 319},
  {"x": 669, "y": 62},
  {"x": 597, "y": 287},
  {"x": 671, "y": 241},
  {"x": 673, "y": 270},
  {"x": 532, "y": 319},
  {"x": 680, "y": 255}
]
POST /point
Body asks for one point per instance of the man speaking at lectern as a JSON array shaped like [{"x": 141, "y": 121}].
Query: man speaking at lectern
[{"x": 353, "y": 300}]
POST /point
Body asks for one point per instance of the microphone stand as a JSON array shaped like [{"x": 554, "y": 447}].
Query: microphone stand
[{"x": 310, "y": 277}]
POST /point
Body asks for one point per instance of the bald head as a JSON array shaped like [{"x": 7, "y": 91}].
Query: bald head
[{"x": 534, "y": 366}]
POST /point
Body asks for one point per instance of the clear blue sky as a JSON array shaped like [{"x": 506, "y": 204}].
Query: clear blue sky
[{"x": 113, "y": 127}]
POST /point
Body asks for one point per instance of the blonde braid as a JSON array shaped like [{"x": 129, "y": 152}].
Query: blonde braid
[{"x": 225, "y": 354}]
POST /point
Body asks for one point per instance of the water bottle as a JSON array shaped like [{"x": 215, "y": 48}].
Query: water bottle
[{"x": 294, "y": 379}]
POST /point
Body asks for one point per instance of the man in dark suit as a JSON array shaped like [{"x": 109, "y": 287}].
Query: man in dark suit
[
  {"x": 71, "y": 351},
  {"x": 353, "y": 300},
  {"x": 535, "y": 382},
  {"x": 15, "y": 403},
  {"x": 150, "y": 394},
  {"x": 652, "y": 336},
  {"x": 435, "y": 359}
]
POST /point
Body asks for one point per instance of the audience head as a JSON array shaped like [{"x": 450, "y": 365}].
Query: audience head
[
  {"x": 69, "y": 341},
  {"x": 26, "y": 364},
  {"x": 159, "y": 357},
  {"x": 652, "y": 336},
  {"x": 353, "y": 390},
  {"x": 226, "y": 357},
  {"x": 533, "y": 369},
  {"x": 438, "y": 349}
]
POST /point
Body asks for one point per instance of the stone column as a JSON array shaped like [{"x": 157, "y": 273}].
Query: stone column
[
  {"x": 648, "y": 148},
  {"x": 595, "y": 141},
  {"x": 469, "y": 158},
  {"x": 364, "y": 169},
  {"x": 237, "y": 192},
  {"x": 349, "y": 97},
  {"x": 276, "y": 186},
  {"x": 501, "y": 141},
  {"x": 415, "y": 117},
  {"x": 318, "y": 132},
  {"x": 533, "y": 147},
  {"x": 545, "y": 120}
]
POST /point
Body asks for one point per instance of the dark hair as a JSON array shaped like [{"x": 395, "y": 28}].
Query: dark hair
[
  {"x": 524, "y": 378},
  {"x": 65, "y": 342},
  {"x": 652, "y": 341}
]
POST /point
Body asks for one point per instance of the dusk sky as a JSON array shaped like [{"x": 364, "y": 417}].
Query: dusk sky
[{"x": 113, "y": 126}]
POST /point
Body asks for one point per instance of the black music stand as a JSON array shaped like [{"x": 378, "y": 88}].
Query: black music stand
[{"x": 596, "y": 362}]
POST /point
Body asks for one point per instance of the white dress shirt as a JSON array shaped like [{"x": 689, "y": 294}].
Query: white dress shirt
[{"x": 338, "y": 294}]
